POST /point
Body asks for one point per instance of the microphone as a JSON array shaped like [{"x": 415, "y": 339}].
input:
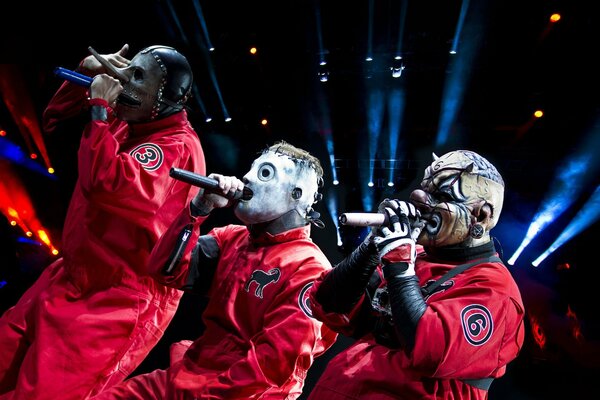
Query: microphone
[
  {"x": 363, "y": 219},
  {"x": 208, "y": 184},
  {"x": 84, "y": 80}
]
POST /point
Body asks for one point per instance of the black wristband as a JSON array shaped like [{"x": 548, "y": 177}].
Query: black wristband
[
  {"x": 198, "y": 211},
  {"x": 394, "y": 269},
  {"x": 98, "y": 113}
]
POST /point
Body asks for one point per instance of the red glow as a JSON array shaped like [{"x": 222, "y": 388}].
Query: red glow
[
  {"x": 18, "y": 207},
  {"x": 537, "y": 332},
  {"x": 20, "y": 105},
  {"x": 574, "y": 324},
  {"x": 555, "y": 17},
  {"x": 563, "y": 266}
]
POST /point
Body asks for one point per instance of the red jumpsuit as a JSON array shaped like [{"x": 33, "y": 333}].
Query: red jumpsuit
[
  {"x": 472, "y": 328},
  {"x": 260, "y": 338},
  {"x": 95, "y": 313}
]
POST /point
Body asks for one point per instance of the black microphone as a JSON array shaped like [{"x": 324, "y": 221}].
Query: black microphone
[
  {"x": 84, "y": 80},
  {"x": 208, "y": 184}
]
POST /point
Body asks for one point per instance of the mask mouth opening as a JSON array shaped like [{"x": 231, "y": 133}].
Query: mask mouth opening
[{"x": 128, "y": 100}]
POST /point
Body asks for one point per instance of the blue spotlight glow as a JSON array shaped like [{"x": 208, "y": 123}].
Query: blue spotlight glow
[
  {"x": 11, "y": 152},
  {"x": 335, "y": 182},
  {"x": 396, "y": 105},
  {"x": 562, "y": 195},
  {"x": 332, "y": 207},
  {"x": 588, "y": 214},
  {"x": 202, "y": 21},
  {"x": 460, "y": 69}
]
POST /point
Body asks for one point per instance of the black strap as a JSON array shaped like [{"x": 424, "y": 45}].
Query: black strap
[{"x": 455, "y": 271}]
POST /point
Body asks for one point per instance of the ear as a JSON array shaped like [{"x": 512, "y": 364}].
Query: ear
[
  {"x": 484, "y": 214},
  {"x": 296, "y": 193}
]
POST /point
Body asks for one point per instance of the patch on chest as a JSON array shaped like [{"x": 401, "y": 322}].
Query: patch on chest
[{"x": 262, "y": 279}]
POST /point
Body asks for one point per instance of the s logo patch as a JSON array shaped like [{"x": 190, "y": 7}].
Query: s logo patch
[
  {"x": 149, "y": 155},
  {"x": 304, "y": 301},
  {"x": 477, "y": 324}
]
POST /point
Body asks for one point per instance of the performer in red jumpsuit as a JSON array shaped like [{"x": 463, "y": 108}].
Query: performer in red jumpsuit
[
  {"x": 419, "y": 337},
  {"x": 95, "y": 313},
  {"x": 260, "y": 337}
]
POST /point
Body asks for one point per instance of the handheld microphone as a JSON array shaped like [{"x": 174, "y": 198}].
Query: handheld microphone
[
  {"x": 363, "y": 219},
  {"x": 84, "y": 80},
  {"x": 208, "y": 184}
]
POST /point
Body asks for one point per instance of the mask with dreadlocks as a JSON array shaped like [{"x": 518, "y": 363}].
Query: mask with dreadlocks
[{"x": 283, "y": 179}]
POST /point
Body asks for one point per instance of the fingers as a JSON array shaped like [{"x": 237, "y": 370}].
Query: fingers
[
  {"x": 228, "y": 184},
  {"x": 123, "y": 50}
]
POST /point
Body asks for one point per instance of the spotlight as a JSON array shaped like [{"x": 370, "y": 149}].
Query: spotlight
[
  {"x": 208, "y": 119},
  {"x": 323, "y": 73},
  {"x": 336, "y": 182},
  {"x": 370, "y": 184},
  {"x": 228, "y": 119},
  {"x": 390, "y": 184},
  {"x": 397, "y": 67}
]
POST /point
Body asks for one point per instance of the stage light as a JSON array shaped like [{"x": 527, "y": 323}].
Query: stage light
[
  {"x": 335, "y": 182},
  {"x": 33, "y": 156},
  {"x": 50, "y": 170},
  {"x": 397, "y": 71},
  {"x": 323, "y": 75},
  {"x": 210, "y": 49},
  {"x": 2, "y": 132},
  {"x": 538, "y": 114},
  {"x": 208, "y": 119},
  {"x": 370, "y": 184},
  {"x": 228, "y": 119},
  {"x": 390, "y": 184},
  {"x": 253, "y": 50},
  {"x": 555, "y": 17},
  {"x": 264, "y": 121}
]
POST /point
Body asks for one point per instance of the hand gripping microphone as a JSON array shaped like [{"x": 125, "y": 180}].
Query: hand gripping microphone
[
  {"x": 208, "y": 184},
  {"x": 84, "y": 80}
]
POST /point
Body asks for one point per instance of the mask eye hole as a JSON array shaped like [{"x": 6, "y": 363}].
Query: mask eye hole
[
  {"x": 266, "y": 172},
  {"x": 138, "y": 74}
]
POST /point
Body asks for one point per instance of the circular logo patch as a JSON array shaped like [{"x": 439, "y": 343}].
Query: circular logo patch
[
  {"x": 477, "y": 324},
  {"x": 304, "y": 301},
  {"x": 149, "y": 155}
]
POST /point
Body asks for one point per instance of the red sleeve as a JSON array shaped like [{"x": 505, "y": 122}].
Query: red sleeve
[
  {"x": 116, "y": 181},
  {"x": 473, "y": 332},
  {"x": 67, "y": 102},
  {"x": 290, "y": 338},
  {"x": 169, "y": 243}
]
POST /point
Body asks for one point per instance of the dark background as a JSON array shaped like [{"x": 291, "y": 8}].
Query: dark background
[{"x": 521, "y": 63}]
